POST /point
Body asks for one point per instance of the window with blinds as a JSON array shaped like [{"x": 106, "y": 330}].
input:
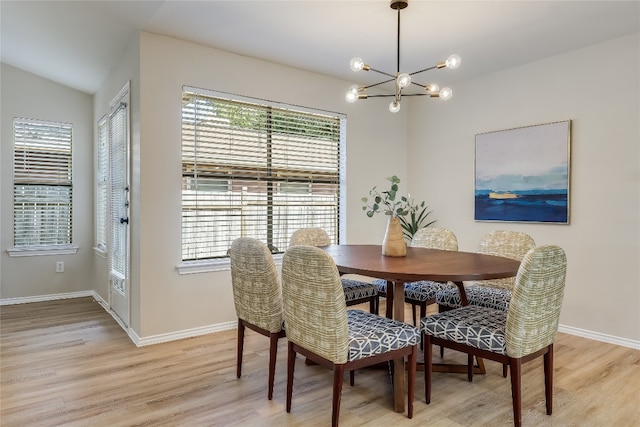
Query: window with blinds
[
  {"x": 257, "y": 169},
  {"x": 42, "y": 183},
  {"x": 101, "y": 185}
]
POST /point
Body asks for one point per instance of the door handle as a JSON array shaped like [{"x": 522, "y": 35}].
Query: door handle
[{"x": 123, "y": 220}]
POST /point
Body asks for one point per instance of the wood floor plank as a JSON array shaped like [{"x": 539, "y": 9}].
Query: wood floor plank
[{"x": 68, "y": 363}]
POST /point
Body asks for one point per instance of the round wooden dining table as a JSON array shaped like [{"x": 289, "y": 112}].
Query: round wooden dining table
[{"x": 418, "y": 264}]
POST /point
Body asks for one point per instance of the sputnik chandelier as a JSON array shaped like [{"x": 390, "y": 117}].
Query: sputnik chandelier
[{"x": 402, "y": 80}]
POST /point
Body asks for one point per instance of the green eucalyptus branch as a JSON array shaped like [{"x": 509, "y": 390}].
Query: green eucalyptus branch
[
  {"x": 389, "y": 203},
  {"x": 385, "y": 201}
]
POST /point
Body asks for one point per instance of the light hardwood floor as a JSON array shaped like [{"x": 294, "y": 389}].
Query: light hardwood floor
[{"x": 68, "y": 363}]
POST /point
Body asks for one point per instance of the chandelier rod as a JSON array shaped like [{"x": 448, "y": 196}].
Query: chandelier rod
[{"x": 398, "y": 63}]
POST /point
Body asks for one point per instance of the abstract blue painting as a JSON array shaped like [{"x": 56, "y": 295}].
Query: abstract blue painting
[{"x": 522, "y": 174}]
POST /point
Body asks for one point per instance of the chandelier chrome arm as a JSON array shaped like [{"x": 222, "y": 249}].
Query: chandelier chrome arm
[
  {"x": 383, "y": 73},
  {"x": 429, "y": 69},
  {"x": 387, "y": 95}
]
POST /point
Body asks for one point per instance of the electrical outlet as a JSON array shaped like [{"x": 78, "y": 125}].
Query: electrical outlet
[{"x": 60, "y": 267}]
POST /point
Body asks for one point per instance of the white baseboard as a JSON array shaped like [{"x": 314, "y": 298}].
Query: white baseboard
[
  {"x": 51, "y": 297},
  {"x": 203, "y": 330},
  {"x": 187, "y": 333},
  {"x": 596, "y": 336}
]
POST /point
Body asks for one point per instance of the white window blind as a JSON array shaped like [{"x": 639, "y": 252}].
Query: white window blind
[
  {"x": 42, "y": 183},
  {"x": 256, "y": 169},
  {"x": 118, "y": 131},
  {"x": 101, "y": 184}
]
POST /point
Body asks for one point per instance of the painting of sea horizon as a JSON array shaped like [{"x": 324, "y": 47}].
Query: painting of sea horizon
[{"x": 522, "y": 174}]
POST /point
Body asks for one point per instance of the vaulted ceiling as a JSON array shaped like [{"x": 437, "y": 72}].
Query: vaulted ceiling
[{"x": 76, "y": 42}]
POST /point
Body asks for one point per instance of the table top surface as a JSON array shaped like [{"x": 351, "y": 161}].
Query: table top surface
[{"x": 421, "y": 264}]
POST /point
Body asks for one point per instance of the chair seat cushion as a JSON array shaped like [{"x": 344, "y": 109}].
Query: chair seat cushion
[
  {"x": 483, "y": 296},
  {"x": 476, "y": 326},
  {"x": 422, "y": 290},
  {"x": 356, "y": 290},
  {"x": 381, "y": 284},
  {"x": 370, "y": 334}
]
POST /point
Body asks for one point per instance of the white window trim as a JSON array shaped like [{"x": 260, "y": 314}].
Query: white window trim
[
  {"x": 101, "y": 252},
  {"x": 36, "y": 250},
  {"x": 100, "y": 246},
  {"x": 42, "y": 250},
  {"x": 212, "y": 265}
]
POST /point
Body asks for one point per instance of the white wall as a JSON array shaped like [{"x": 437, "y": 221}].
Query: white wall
[
  {"x": 598, "y": 89},
  {"x": 376, "y": 148},
  {"x": 25, "y": 95}
]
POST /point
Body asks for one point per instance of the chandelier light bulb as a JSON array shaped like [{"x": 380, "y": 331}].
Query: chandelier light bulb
[
  {"x": 432, "y": 88},
  {"x": 453, "y": 62},
  {"x": 394, "y": 107},
  {"x": 446, "y": 93},
  {"x": 352, "y": 94},
  {"x": 403, "y": 80},
  {"x": 356, "y": 63}
]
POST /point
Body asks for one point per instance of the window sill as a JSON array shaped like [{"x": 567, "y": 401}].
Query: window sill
[
  {"x": 207, "y": 266},
  {"x": 42, "y": 250},
  {"x": 101, "y": 252}
]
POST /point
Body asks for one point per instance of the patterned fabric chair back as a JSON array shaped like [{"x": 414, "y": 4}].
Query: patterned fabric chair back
[
  {"x": 315, "y": 311},
  {"x": 435, "y": 238},
  {"x": 310, "y": 237},
  {"x": 508, "y": 244},
  {"x": 257, "y": 293},
  {"x": 536, "y": 300}
]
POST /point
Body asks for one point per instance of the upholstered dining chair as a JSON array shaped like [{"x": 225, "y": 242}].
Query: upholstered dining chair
[
  {"x": 524, "y": 332},
  {"x": 422, "y": 293},
  {"x": 355, "y": 291},
  {"x": 494, "y": 293},
  {"x": 257, "y": 295},
  {"x": 320, "y": 327}
]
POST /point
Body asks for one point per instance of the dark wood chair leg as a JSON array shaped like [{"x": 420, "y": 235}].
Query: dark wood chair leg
[
  {"x": 352, "y": 378},
  {"x": 413, "y": 312},
  {"x": 442, "y": 308},
  {"x": 291, "y": 361},
  {"x": 373, "y": 306},
  {"x": 426, "y": 339},
  {"x": 516, "y": 372},
  {"x": 548, "y": 379},
  {"x": 411, "y": 386},
  {"x": 505, "y": 369},
  {"x": 273, "y": 352},
  {"x": 470, "y": 367},
  {"x": 240, "y": 348},
  {"x": 389, "y": 308},
  {"x": 338, "y": 373}
]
